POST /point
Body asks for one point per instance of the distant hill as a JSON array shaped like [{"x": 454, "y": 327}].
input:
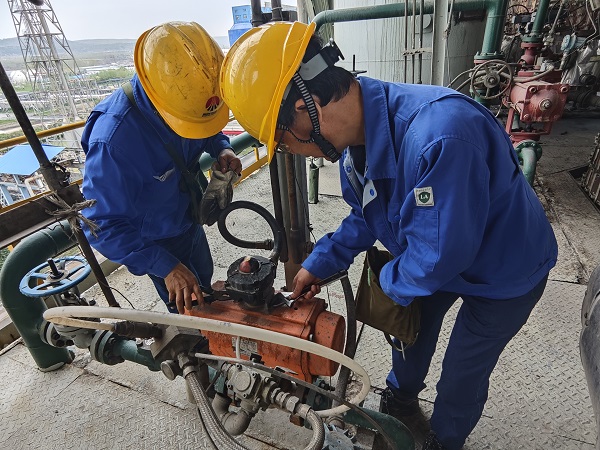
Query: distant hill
[{"x": 87, "y": 52}]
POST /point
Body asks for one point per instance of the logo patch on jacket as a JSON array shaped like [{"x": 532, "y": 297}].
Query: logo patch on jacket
[
  {"x": 424, "y": 196},
  {"x": 165, "y": 175}
]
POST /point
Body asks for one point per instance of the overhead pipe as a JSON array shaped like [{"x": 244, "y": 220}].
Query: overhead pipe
[
  {"x": 26, "y": 312},
  {"x": 55, "y": 182},
  {"x": 496, "y": 12},
  {"x": 257, "y": 17}
]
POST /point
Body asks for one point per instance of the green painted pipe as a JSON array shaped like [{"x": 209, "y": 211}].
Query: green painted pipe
[
  {"x": 494, "y": 29},
  {"x": 26, "y": 312},
  {"x": 392, "y": 10},
  {"x": 128, "y": 349},
  {"x": 529, "y": 158},
  {"x": 538, "y": 23}
]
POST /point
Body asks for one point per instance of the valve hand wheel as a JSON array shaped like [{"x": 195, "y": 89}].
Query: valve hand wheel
[
  {"x": 54, "y": 276},
  {"x": 491, "y": 79}
]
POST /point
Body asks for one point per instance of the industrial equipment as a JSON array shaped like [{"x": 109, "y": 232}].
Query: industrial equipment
[{"x": 242, "y": 351}]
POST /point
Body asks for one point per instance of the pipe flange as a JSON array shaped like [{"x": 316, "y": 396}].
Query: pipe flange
[
  {"x": 528, "y": 143},
  {"x": 100, "y": 348}
]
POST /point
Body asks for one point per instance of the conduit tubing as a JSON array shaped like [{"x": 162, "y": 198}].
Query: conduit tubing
[{"x": 66, "y": 315}]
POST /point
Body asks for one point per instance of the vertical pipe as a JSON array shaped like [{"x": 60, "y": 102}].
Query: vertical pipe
[
  {"x": 257, "y": 18},
  {"x": 26, "y": 312},
  {"x": 276, "y": 10},
  {"x": 412, "y": 37},
  {"x": 540, "y": 19},
  {"x": 405, "y": 58},
  {"x": 277, "y": 208},
  {"x": 421, "y": 13},
  {"x": 494, "y": 28}
]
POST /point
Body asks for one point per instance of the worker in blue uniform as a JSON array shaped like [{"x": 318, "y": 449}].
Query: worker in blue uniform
[
  {"x": 142, "y": 208},
  {"x": 432, "y": 176}
]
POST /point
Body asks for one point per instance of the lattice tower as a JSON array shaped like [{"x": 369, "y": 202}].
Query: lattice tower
[{"x": 61, "y": 93}]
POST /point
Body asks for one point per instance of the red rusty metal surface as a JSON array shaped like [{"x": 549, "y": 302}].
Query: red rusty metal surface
[{"x": 307, "y": 319}]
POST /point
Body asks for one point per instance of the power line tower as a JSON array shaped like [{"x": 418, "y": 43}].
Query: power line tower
[{"x": 61, "y": 94}]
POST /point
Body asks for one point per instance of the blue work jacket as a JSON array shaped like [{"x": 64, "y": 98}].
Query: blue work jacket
[
  {"x": 443, "y": 192},
  {"x": 135, "y": 182}
]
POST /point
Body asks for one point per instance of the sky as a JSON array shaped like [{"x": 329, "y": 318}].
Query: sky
[{"x": 128, "y": 19}]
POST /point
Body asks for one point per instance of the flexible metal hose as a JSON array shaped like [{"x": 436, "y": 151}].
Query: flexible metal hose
[
  {"x": 318, "y": 437},
  {"x": 215, "y": 432}
]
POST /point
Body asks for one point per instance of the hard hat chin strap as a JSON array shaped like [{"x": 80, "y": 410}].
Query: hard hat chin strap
[
  {"x": 324, "y": 145},
  {"x": 327, "y": 57}
]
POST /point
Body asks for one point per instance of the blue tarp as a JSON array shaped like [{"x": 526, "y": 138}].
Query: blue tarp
[{"x": 21, "y": 160}]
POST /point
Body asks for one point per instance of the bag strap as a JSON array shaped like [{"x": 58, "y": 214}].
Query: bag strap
[{"x": 188, "y": 176}]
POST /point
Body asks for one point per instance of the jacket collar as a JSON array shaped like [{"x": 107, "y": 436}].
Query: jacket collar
[
  {"x": 379, "y": 145},
  {"x": 149, "y": 111}
]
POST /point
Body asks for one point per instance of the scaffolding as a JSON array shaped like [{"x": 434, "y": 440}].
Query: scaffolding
[{"x": 61, "y": 94}]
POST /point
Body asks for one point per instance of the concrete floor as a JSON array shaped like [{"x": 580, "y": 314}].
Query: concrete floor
[{"x": 538, "y": 396}]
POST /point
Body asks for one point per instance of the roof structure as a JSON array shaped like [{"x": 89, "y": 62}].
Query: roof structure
[{"x": 21, "y": 160}]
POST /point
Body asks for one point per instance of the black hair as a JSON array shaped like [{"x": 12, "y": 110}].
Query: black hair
[{"x": 331, "y": 84}]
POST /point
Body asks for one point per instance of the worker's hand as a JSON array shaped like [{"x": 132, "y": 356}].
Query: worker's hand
[
  {"x": 305, "y": 278},
  {"x": 181, "y": 284},
  {"x": 228, "y": 160},
  {"x": 218, "y": 194}
]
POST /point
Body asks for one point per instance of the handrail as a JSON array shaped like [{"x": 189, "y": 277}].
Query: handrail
[{"x": 42, "y": 134}]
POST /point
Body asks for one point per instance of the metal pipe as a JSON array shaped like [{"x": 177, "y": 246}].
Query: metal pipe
[
  {"x": 257, "y": 18},
  {"x": 129, "y": 350},
  {"x": 276, "y": 10},
  {"x": 391, "y": 10},
  {"x": 42, "y": 134},
  {"x": 215, "y": 431},
  {"x": 275, "y": 188},
  {"x": 538, "y": 23},
  {"x": 235, "y": 423},
  {"x": 26, "y": 312},
  {"x": 496, "y": 12},
  {"x": 494, "y": 28},
  {"x": 529, "y": 157},
  {"x": 295, "y": 235},
  {"x": 420, "y": 78}
]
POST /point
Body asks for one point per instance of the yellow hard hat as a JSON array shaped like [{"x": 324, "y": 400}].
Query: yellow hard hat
[
  {"x": 256, "y": 72},
  {"x": 178, "y": 65}
]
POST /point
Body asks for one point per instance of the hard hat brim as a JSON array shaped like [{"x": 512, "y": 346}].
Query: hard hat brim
[
  {"x": 197, "y": 130},
  {"x": 270, "y": 122}
]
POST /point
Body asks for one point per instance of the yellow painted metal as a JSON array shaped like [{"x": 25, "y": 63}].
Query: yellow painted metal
[{"x": 42, "y": 134}]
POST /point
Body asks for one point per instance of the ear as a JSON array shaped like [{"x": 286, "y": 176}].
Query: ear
[{"x": 300, "y": 106}]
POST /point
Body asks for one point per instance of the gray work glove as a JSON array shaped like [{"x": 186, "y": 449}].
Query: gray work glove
[{"x": 218, "y": 194}]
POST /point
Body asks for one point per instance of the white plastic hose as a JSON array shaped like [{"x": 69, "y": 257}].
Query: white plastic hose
[{"x": 65, "y": 315}]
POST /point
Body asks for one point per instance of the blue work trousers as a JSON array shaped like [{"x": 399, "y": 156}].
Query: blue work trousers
[
  {"x": 191, "y": 248},
  {"x": 482, "y": 329}
]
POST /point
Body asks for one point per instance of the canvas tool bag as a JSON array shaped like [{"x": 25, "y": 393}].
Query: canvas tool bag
[{"x": 377, "y": 310}]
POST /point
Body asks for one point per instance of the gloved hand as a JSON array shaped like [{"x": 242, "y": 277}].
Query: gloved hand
[{"x": 218, "y": 194}]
